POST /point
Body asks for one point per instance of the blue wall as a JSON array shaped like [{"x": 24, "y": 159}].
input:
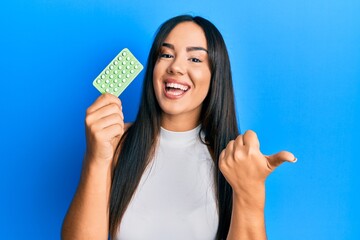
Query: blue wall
[{"x": 296, "y": 68}]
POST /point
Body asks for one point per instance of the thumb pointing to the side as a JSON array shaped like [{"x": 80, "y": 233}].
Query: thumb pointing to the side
[{"x": 280, "y": 157}]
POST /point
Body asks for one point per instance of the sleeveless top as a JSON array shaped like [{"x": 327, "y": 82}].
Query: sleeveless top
[{"x": 175, "y": 198}]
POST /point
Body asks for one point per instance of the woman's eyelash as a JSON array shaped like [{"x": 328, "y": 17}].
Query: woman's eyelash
[
  {"x": 196, "y": 60},
  {"x": 166, "y": 55}
]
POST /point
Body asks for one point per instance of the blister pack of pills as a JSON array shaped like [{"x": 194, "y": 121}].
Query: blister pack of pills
[{"x": 118, "y": 75}]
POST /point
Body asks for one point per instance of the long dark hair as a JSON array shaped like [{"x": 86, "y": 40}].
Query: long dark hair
[{"x": 218, "y": 122}]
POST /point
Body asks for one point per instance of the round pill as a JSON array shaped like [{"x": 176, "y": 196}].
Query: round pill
[
  {"x": 98, "y": 81},
  {"x": 132, "y": 71},
  {"x": 132, "y": 62},
  {"x": 120, "y": 76},
  {"x": 111, "y": 76},
  {"x": 124, "y": 53},
  {"x": 115, "y": 80},
  {"x": 107, "y": 72},
  {"x": 111, "y": 85},
  {"x": 119, "y": 58},
  {"x": 136, "y": 66},
  {"x": 119, "y": 84},
  {"x": 111, "y": 67},
  {"x": 124, "y": 80},
  {"x": 127, "y": 75},
  {"x": 124, "y": 71},
  {"x": 124, "y": 62},
  {"x": 116, "y": 71},
  {"x": 103, "y": 76},
  {"x": 103, "y": 85},
  {"x": 128, "y": 67},
  {"x": 107, "y": 81},
  {"x": 116, "y": 62},
  {"x": 120, "y": 67},
  {"x": 107, "y": 90},
  {"x": 128, "y": 58}
]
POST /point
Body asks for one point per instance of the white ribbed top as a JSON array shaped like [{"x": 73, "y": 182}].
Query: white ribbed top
[{"x": 175, "y": 198}]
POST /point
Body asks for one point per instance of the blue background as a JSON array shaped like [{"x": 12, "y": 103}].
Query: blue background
[{"x": 296, "y": 69}]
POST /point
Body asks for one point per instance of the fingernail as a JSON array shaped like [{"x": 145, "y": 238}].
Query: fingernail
[{"x": 295, "y": 160}]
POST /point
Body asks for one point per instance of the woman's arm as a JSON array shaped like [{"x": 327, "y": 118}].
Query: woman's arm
[
  {"x": 247, "y": 218},
  {"x": 246, "y": 169},
  {"x": 88, "y": 217},
  {"x": 88, "y": 214}
]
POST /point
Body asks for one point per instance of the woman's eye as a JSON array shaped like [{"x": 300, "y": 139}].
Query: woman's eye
[
  {"x": 166, "y": 55},
  {"x": 196, "y": 60}
]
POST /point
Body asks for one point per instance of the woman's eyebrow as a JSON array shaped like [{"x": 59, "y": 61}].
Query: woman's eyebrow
[
  {"x": 168, "y": 45},
  {"x": 188, "y": 49}
]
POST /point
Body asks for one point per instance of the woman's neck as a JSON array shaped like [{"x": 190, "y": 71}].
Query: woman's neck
[{"x": 179, "y": 123}]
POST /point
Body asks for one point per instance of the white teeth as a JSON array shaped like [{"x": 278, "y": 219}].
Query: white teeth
[
  {"x": 177, "y": 85},
  {"x": 175, "y": 93}
]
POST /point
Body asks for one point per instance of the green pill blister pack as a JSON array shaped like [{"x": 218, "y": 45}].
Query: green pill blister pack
[{"x": 118, "y": 75}]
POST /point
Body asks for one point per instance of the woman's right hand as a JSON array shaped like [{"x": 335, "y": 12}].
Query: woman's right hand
[{"x": 104, "y": 124}]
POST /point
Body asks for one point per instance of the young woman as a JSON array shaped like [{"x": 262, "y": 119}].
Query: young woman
[{"x": 181, "y": 170}]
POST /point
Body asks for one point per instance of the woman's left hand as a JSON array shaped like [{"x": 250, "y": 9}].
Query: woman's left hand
[{"x": 245, "y": 167}]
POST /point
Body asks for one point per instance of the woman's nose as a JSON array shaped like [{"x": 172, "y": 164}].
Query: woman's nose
[{"x": 177, "y": 66}]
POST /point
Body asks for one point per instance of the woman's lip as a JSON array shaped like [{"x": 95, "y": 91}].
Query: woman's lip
[{"x": 172, "y": 96}]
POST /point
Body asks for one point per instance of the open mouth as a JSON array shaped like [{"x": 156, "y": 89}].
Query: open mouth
[{"x": 175, "y": 89}]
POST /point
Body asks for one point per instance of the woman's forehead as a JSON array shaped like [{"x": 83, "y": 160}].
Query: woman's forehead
[{"x": 187, "y": 34}]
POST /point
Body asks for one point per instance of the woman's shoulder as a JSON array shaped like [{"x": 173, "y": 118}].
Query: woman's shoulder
[
  {"x": 127, "y": 125},
  {"x": 118, "y": 150}
]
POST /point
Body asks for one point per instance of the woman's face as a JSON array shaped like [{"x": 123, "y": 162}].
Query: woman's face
[{"x": 182, "y": 74}]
